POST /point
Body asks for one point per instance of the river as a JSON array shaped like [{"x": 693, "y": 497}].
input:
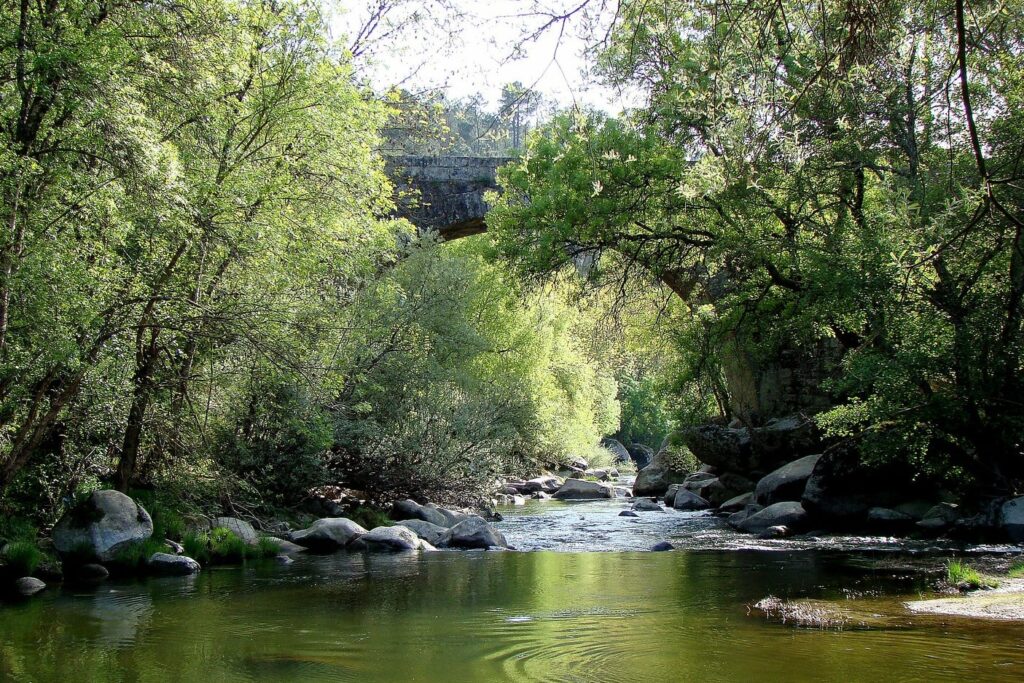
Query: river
[{"x": 582, "y": 601}]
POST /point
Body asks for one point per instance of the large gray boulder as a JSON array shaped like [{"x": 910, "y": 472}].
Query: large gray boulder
[
  {"x": 788, "y": 514},
  {"x": 664, "y": 470},
  {"x": 786, "y": 483},
  {"x": 328, "y": 534},
  {"x": 410, "y": 509},
  {"x": 27, "y": 586},
  {"x": 1012, "y": 519},
  {"x": 617, "y": 449},
  {"x": 166, "y": 564},
  {"x": 737, "y": 503},
  {"x": 391, "y": 538},
  {"x": 689, "y": 501},
  {"x": 737, "y": 449},
  {"x": 538, "y": 485},
  {"x": 841, "y": 489},
  {"x": 641, "y": 455},
  {"x": 717, "y": 490},
  {"x": 431, "y": 533},
  {"x": 101, "y": 525},
  {"x": 238, "y": 527},
  {"x": 579, "y": 489},
  {"x": 647, "y": 505},
  {"x": 475, "y": 533}
]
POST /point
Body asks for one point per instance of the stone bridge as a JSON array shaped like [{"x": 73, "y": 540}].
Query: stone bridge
[{"x": 444, "y": 194}]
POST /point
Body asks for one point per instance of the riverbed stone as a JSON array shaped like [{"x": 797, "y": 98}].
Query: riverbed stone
[
  {"x": 391, "y": 538},
  {"x": 475, "y": 533},
  {"x": 842, "y": 488},
  {"x": 328, "y": 534},
  {"x": 786, "y": 483},
  {"x": 670, "y": 494},
  {"x": 166, "y": 564},
  {"x": 663, "y": 471},
  {"x": 410, "y": 509},
  {"x": 645, "y": 505},
  {"x": 239, "y": 527},
  {"x": 717, "y": 490},
  {"x": 641, "y": 454},
  {"x": 737, "y": 503},
  {"x": 789, "y": 514},
  {"x": 775, "y": 532},
  {"x": 431, "y": 533},
  {"x": 103, "y": 524},
  {"x": 889, "y": 521},
  {"x": 579, "y": 489},
  {"x": 90, "y": 573},
  {"x": 940, "y": 517},
  {"x": 689, "y": 501},
  {"x": 662, "y": 546},
  {"x": 27, "y": 586},
  {"x": 285, "y": 547},
  {"x": 628, "y": 513},
  {"x": 600, "y": 474},
  {"x": 1012, "y": 519}
]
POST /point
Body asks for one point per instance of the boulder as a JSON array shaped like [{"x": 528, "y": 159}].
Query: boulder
[
  {"x": 641, "y": 454},
  {"x": 737, "y": 449},
  {"x": 841, "y": 489},
  {"x": 617, "y": 449},
  {"x": 285, "y": 547},
  {"x": 102, "y": 524},
  {"x": 431, "y": 533},
  {"x": 453, "y": 517},
  {"x": 889, "y": 521},
  {"x": 541, "y": 484},
  {"x": 940, "y": 517},
  {"x": 788, "y": 514},
  {"x": 166, "y": 564},
  {"x": 662, "y": 472},
  {"x": 662, "y": 546},
  {"x": 1012, "y": 519},
  {"x": 410, "y": 509},
  {"x": 628, "y": 513},
  {"x": 27, "y": 586},
  {"x": 737, "y": 503},
  {"x": 786, "y": 483},
  {"x": 540, "y": 495},
  {"x": 599, "y": 474},
  {"x": 717, "y": 490},
  {"x": 391, "y": 538},
  {"x": 688, "y": 500},
  {"x": 238, "y": 527},
  {"x": 775, "y": 532},
  {"x": 89, "y": 573},
  {"x": 670, "y": 494},
  {"x": 623, "y": 492},
  {"x": 579, "y": 489},
  {"x": 475, "y": 533},
  {"x": 328, "y": 534},
  {"x": 644, "y": 505}
]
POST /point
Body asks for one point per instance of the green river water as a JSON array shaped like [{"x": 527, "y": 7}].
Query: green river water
[{"x": 554, "y": 613}]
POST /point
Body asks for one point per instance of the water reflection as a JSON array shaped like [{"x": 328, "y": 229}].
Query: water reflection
[{"x": 451, "y": 617}]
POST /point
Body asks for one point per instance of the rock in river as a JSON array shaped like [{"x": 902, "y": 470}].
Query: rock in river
[
  {"x": 172, "y": 565},
  {"x": 645, "y": 505},
  {"x": 474, "y": 532},
  {"x": 688, "y": 500},
  {"x": 786, "y": 483},
  {"x": 238, "y": 527},
  {"x": 431, "y": 533},
  {"x": 328, "y": 534},
  {"x": 663, "y": 471},
  {"x": 410, "y": 509},
  {"x": 103, "y": 523},
  {"x": 788, "y": 514},
  {"x": 28, "y": 586},
  {"x": 578, "y": 489},
  {"x": 391, "y": 538}
]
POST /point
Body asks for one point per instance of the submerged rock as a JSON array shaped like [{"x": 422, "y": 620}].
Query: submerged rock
[
  {"x": 662, "y": 546},
  {"x": 579, "y": 489},
  {"x": 644, "y": 505},
  {"x": 628, "y": 513},
  {"x": 172, "y": 565},
  {"x": 328, "y": 534},
  {"x": 102, "y": 524}
]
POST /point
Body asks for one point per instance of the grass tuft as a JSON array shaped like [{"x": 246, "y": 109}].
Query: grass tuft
[
  {"x": 1016, "y": 570},
  {"x": 222, "y": 546},
  {"x": 23, "y": 557},
  {"x": 966, "y": 578}
]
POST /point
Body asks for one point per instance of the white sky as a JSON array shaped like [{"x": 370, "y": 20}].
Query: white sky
[{"x": 463, "y": 55}]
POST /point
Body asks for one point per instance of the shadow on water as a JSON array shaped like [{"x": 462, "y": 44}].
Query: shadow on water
[{"x": 515, "y": 616}]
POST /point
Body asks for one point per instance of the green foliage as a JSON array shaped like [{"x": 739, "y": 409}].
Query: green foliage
[
  {"x": 370, "y": 518},
  {"x": 794, "y": 180},
  {"x": 133, "y": 557},
  {"x": 966, "y": 578},
  {"x": 1016, "y": 570},
  {"x": 22, "y": 557},
  {"x": 223, "y": 546}
]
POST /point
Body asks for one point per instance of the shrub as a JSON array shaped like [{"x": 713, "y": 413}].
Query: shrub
[
  {"x": 1016, "y": 570},
  {"x": 23, "y": 557}
]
